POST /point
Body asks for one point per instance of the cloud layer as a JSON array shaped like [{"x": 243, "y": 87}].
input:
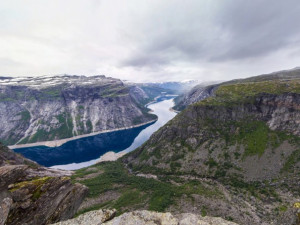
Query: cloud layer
[{"x": 149, "y": 40}]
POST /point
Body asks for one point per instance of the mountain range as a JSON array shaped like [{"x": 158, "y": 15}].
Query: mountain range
[{"x": 232, "y": 152}]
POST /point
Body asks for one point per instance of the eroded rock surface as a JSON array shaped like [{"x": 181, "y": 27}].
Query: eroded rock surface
[
  {"x": 31, "y": 194},
  {"x": 52, "y": 108},
  {"x": 94, "y": 217},
  {"x": 143, "y": 217}
]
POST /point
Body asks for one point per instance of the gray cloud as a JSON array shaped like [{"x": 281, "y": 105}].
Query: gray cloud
[
  {"x": 149, "y": 40},
  {"x": 233, "y": 30}
]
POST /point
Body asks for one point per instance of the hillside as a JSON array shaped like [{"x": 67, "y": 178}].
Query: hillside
[
  {"x": 233, "y": 155},
  {"x": 201, "y": 92},
  {"x": 56, "y": 107},
  {"x": 31, "y": 194}
]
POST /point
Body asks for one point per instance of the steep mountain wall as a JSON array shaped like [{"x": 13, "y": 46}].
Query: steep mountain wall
[
  {"x": 201, "y": 92},
  {"x": 244, "y": 121},
  {"x": 246, "y": 138},
  {"x": 51, "y": 108},
  {"x": 197, "y": 93}
]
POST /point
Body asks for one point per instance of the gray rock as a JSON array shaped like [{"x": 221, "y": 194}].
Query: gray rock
[
  {"x": 90, "y": 218},
  {"x": 53, "y": 108},
  {"x": 5, "y": 205},
  {"x": 142, "y": 217},
  {"x": 31, "y": 194}
]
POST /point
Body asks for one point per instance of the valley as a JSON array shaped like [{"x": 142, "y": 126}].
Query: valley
[
  {"x": 86, "y": 151},
  {"x": 231, "y": 153},
  {"x": 234, "y": 155},
  {"x": 150, "y": 112}
]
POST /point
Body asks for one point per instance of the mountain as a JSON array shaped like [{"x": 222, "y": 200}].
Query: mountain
[
  {"x": 203, "y": 91},
  {"x": 177, "y": 86},
  {"x": 196, "y": 94},
  {"x": 31, "y": 194},
  {"x": 171, "y": 88},
  {"x": 233, "y": 155},
  {"x": 56, "y": 107}
]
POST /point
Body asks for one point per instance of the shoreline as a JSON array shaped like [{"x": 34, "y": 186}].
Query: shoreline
[
  {"x": 57, "y": 143},
  {"x": 173, "y": 110}
]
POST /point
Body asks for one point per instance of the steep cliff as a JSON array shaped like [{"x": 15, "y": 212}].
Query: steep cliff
[
  {"x": 201, "y": 92},
  {"x": 196, "y": 94},
  {"x": 245, "y": 139},
  {"x": 31, "y": 194},
  {"x": 51, "y": 108}
]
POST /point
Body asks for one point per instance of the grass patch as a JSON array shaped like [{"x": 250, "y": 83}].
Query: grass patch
[
  {"x": 25, "y": 115},
  {"x": 291, "y": 161},
  {"x": 232, "y": 94},
  {"x": 138, "y": 192}
]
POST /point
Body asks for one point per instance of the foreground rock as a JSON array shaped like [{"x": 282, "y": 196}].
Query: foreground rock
[
  {"x": 31, "y": 194},
  {"x": 143, "y": 217},
  {"x": 93, "y": 217}
]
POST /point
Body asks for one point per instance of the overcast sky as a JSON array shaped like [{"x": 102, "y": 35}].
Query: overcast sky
[{"x": 149, "y": 40}]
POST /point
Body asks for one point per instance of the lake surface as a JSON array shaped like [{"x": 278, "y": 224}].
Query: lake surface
[{"x": 87, "y": 151}]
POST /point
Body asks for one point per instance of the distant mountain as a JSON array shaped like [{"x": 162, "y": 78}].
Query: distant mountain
[
  {"x": 176, "y": 87},
  {"x": 34, "y": 109},
  {"x": 203, "y": 91}
]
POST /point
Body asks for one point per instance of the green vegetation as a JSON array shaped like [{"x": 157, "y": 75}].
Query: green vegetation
[
  {"x": 37, "y": 182},
  {"x": 256, "y": 189},
  {"x": 138, "y": 192},
  {"x": 232, "y": 94},
  {"x": 203, "y": 211},
  {"x": 89, "y": 126},
  {"x": 255, "y": 135},
  {"x": 64, "y": 131},
  {"x": 283, "y": 208},
  {"x": 25, "y": 115},
  {"x": 7, "y": 99},
  {"x": 52, "y": 92},
  {"x": 291, "y": 161},
  {"x": 138, "y": 120},
  {"x": 114, "y": 91}
]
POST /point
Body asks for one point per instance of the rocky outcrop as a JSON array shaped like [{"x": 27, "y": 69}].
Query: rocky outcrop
[
  {"x": 8, "y": 157},
  {"x": 52, "y": 108},
  {"x": 91, "y": 218},
  {"x": 31, "y": 194},
  {"x": 201, "y": 92},
  {"x": 243, "y": 121},
  {"x": 150, "y": 218},
  {"x": 246, "y": 137},
  {"x": 248, "y": 134},
  {"x": 143, "y": 217},
  {"x": 197, "y": 93}
]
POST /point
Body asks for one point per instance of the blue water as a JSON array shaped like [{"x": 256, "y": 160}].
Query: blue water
[{"x": 86, "y": 151}]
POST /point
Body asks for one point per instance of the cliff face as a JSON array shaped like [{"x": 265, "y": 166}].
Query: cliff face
[
  {"x": 31, "y": 194},
  {"x": 201, "y": 92},
  {"x": 246, "y": 137},
  {"x": 51, "y": 108},
  {"x": 261, "y": 135},
  {"x": 197, "y": 93},
  {"x": 241, "y": 121}
]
